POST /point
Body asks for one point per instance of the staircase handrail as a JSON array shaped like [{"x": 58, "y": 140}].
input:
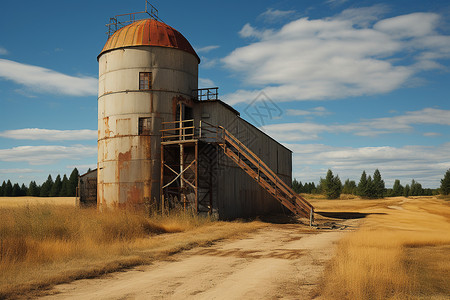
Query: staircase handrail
[{"x": 265, "y": 169}]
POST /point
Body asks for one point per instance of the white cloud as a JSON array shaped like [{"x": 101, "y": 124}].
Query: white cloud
[
  {"x": 49, "y": 134},
  {"x": 3, "y": 51},
  {"x": 248, "y": 31},
  {"x": 363, "y": 16},
  {"x": 317, "y": 111},
  {"x": 289, "y": 132},
  {"x": 431, "y": 134},
  {"x": 205, "y": 82},
  {"x": 273, "y": 15},
  {"x": 41, "y": 155},
  {"x": 19, "y": 171},
  {"x": 409, "y": 26},
  {"x": 336, "y": 57},
  {"x": 208, "y": 63},
  {"x": 335, "y": 3},
  {"x": 207, "y": 49},
  {"x": 45, "y": 80},
  {"x": 426, "y": 164}
]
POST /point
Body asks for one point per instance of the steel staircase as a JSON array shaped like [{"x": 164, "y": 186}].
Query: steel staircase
[
  {"x": 261, "y": 173},
  {"x": 184, "y": 133}
]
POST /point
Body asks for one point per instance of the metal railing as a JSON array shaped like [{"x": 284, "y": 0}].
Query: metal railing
[
  {"x": 178, "y": 131},
  {"x": 119, "y": 21},
  {"x": 264, "y": 175},
  {"x": 186, "y": 130},
  {"x": 206, "y": 94}
]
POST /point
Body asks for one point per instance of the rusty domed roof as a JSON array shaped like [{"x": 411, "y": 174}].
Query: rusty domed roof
[{"x": 148, "y": 32}]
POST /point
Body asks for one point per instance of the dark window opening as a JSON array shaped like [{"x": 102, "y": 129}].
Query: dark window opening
[
  {"x": 184, "y": 113},
  {"x": 145, "y": 126},
  {"x": 145, "y": 80}
]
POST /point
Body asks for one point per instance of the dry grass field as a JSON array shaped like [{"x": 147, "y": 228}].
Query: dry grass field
[
  {"x": 400, "y": 251},
  {"x": 23, "y": 201},
  {"x": 46, "y": 244}
]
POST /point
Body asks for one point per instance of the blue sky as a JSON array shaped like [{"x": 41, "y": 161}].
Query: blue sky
[{"x": 352, "y": 85}]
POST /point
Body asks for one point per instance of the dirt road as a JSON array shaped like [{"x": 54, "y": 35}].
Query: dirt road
[{"x": 278, "y": 261}]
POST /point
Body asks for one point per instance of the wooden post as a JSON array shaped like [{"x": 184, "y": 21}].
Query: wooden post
[
  {"x": 196, "y": 177},
  {"x": 182, "y": 195},
  {"x": 162, "y": 180}
]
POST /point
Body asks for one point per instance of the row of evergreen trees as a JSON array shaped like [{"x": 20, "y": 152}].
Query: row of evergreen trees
[
  {"x": 369, "y": 187},
  {"x": 307, "y": 188},
  {"x": 65, "y": 187}
]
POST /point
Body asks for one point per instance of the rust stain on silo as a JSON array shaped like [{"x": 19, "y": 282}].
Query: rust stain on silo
[
  {"x": 147, "y": 147},
  {"x": 106, "y": 123},
  {"x": 124, "y": 156},
  {"x": 122, "y": 163},
  {"x": 134, "y": 197}
]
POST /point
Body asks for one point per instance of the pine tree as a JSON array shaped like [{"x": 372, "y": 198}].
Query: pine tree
[
  {"x": 416, "y": 188},
  {"x": 349, "y": 187},
  {"x": 56, "y": 188},
  {"x": 378, "y": 185},
  {"x": 295, "y": 186},
  {"x": 369, "y": 188},
  {"x": 362, "y": 185},
  {"x": 320, "y": 186},
  {"x": 337, "y": 186},
  {"x": 332, "y": 186},
  {"x": 46, "y": 187},
  {"x": 8, "y": 191},
  {"x": 397, "y": 189},
  {"x": 65, "y": 187},
  {"x": 33, "y": 189},
  {"x": 73, "y": 182},
  {"x": 23, "y": 190},
  {"x": 327, "y": 184},
  {"x": 445, "y": 183},
  {"x": 2, "y": 188},
  {"x": 406, "y": 190},
  {"x": 16, "y": 190}
]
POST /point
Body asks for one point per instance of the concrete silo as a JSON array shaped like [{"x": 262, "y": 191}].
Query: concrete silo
[{"x": 146, "y": 69}]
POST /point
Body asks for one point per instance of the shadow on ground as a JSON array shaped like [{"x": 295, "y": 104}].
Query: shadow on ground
[
  {"x": 280, "y": 219},
  {"x": 345, "y": 215}
]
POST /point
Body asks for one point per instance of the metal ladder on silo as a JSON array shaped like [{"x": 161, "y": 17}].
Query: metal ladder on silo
[{"x": 261, "y": 173}]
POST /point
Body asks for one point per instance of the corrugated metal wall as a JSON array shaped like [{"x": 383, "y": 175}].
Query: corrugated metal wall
[
  {"x": 87, "y": 189},
  {"x": 236, "y": 194}
]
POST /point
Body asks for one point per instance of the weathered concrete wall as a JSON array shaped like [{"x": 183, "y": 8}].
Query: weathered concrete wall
[{"x": 129, "y": 163}]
